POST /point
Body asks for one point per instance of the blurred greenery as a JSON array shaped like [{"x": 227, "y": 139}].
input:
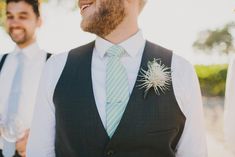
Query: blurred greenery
[
  {"x": 2, "y": 11},
  {"x": 212, "y": 79},
  {"x": 218, "y": 40}
]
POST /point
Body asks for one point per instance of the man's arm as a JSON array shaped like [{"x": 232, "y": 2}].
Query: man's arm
[
  {"x": 21, "y": 144},
  {"x": 186, "y": 86},
  {"x": 42, "y": 132},
  {"x": 229, "y": 110}
]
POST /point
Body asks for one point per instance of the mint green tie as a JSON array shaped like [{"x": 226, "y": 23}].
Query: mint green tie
[{"x": 117, "y": 92}]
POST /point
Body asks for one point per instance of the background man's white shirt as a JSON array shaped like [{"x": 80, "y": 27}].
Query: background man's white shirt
[
  {"x": 35, "y": 59},
  {"x": 229, "y": 110},
  {"x": 185, "y": 85}
]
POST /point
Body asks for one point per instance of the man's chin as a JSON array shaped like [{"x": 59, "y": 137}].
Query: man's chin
[
  {"x": 19, "y": 42},
  {"x": 92, "y": 30},
  {"x": 17, "y": 39},
  {"x": 86, "y": 28},
  {"x": 84, "y": 25}
]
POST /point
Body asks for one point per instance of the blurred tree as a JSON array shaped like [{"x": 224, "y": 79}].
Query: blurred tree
[
  {"x": 218, "y": 40},
  {"x": 2, "y": 11}
]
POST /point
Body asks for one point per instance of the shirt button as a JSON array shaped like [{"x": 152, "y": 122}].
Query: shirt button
[{"x": 110, "y": 153}]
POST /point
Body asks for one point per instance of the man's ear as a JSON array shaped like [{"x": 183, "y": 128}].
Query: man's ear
[
  {"x": 39, "y": 22},
  {"x": 130, "y": 1},
  {"x": 132, "y": 6}
]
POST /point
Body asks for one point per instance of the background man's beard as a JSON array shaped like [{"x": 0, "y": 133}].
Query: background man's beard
[
  {"x": 21, "y": 40},
  {"x": 110, "y": 14}
]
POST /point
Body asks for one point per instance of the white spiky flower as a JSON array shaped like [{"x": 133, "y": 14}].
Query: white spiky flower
[{"x": 158, "y": 77}]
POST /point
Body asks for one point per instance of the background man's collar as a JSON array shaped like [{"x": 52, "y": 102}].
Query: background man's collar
[{"x": 29, "y": 51}]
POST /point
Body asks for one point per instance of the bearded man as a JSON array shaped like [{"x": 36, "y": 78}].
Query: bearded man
[
  {"x": 119, "y": 95},
  {"x": 20, "y": 72}
]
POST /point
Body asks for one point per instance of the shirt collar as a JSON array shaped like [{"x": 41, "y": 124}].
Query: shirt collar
[
  {"x": 30, "y": 51},
  {"x": 131, "y": 45}
]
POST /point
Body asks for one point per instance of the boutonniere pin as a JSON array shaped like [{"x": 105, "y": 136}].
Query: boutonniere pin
[{"x": 158, "y": 77}]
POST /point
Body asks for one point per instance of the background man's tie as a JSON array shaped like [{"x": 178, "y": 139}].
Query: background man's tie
[
  {"x": 117, "y": 88},
  {"x": 13, "y": 102}
]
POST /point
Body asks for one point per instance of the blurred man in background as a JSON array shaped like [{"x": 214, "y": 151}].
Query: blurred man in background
[
  {"x": 20, "y": 72},
  {"x": 229, "y": 108}
]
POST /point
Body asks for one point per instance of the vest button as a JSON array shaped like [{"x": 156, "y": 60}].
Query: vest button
[{"x": 110, "y": 153}]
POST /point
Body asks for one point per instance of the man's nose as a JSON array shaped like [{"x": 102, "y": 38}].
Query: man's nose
[{"x": 14, "y": 22}]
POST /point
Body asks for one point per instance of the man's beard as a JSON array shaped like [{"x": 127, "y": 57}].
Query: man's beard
[
  {"x": 20, "y": 40},
  {"x": 109, "y": 15}
]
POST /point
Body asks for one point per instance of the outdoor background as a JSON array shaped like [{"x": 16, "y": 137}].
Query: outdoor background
[{"x": 202, "y": 31}]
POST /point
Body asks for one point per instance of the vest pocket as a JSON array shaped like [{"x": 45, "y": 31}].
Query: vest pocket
[{"x": 163, "y": 131}]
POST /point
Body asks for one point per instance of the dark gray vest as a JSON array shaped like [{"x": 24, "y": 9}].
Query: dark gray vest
[{"x": 150, "y": 127}]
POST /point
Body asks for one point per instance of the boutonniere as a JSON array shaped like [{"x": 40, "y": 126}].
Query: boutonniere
[{"x": 157, "y": 76}]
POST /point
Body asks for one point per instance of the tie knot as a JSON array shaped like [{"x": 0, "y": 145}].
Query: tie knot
[
  {"x": 115, "y": 51},
  {"x": 20, "y": 57}
]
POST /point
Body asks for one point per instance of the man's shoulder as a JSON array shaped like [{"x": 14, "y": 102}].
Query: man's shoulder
[
  {"x": 83, "y": 48},
  {"x": 232, "y": 61},
  {"x": 157, "y": 48},
  {"x": 182, "y": 69},
  {"x": 3, "y": 55},
  {"x": 54, "y": 66},
  {"x": 57, "y": 59},
  {"x": 179, "y": 60}
]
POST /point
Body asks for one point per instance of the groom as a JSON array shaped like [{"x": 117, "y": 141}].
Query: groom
[{"x": 118, "y": 96}]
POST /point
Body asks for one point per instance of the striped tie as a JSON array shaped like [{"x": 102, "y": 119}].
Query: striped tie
[{"x": 117, "y": 92}]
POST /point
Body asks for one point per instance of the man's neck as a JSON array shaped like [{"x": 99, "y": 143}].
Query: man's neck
[
  {"x": 123, "y": 31},
  {"x": 26, "y": 44},
  {"x": 25, "y": 47}
]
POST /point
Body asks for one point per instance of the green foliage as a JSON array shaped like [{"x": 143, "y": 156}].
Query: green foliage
[
  {"x": 220, "y": 40},
  {"x": 212, "y": 79},
  {"x": 2, "y": 11}
]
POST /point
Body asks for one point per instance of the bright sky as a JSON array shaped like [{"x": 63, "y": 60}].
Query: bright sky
[{"x": 172, "y": 24}]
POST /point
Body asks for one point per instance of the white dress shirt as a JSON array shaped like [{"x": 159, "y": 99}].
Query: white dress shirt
[
  {"x": 229, "y": 110},
  {"x": 35, "y": 60},
  {"x": 185, "y": 84}
]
